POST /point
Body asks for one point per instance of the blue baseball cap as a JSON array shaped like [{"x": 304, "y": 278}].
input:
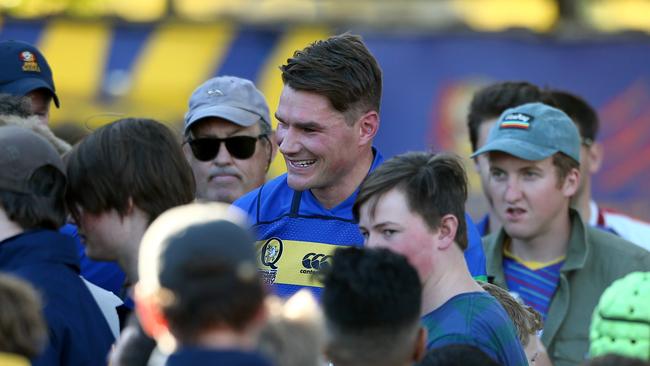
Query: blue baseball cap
[
  {"x": 533, "y": 131},
  {"x": 23, "y": 68}
]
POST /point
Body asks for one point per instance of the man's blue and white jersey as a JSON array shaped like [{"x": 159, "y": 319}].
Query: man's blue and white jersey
[{"x": 297, "y": 235}]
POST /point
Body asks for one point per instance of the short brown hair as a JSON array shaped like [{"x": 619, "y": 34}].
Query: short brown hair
[
  {"x": 563, "y": 166},
  {"x": 342, "y": 69},
  {"x": 526, "y": 319},
  {"x": 133, "y": 158},
  {"x": 434, "y": 185},
  {"x": 22, "y": 326}
]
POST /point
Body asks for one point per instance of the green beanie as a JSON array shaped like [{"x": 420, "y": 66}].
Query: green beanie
[{"x": 621, "y": 321}]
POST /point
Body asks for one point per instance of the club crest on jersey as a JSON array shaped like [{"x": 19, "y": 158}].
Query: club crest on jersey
[
  {"x": 519, "y": 121},
  {"x": 270, "y": 254},
  {"x": 30, "y": 63}
]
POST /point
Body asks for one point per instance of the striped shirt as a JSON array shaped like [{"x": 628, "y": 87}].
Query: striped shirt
[{"x": 534, "y": 282}]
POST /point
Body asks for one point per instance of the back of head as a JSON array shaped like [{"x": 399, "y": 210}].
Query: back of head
[
  {"x": 342, "y": 69},
  {"x": 371, "y": 302},
  {"x": 526, "y": 319},
  {"x": 132, "y": 158},
  {"x": 582, "y": 114},
  {"x": 293, "y": 334},
  {"x": 22, "y": 327},
  {"x": 457, "y": 355},
  {"x": 621, "y": 321},
  {"x": 32, "y": 182},
  {"x": 434, "y": 184},
  {"x": 197, "y": 263},
  {"x": 489, "y": 102}
]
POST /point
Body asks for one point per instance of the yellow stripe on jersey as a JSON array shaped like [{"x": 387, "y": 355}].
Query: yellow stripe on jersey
[
  {"x": 293, "y": 262},
  {"x": 270, "y": 79},
  {"x": 533, "y": 265}
]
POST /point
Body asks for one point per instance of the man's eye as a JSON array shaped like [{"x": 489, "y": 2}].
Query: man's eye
[{"x": 497, "y": 174}]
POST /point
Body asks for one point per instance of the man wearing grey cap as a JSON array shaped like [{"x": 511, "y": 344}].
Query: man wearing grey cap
[
  {"x": 32, "y": 208},
  {"x": 228, "y": 112},
  {"x": 544, "y": 252},
  {"x": 199, "y": 292}
]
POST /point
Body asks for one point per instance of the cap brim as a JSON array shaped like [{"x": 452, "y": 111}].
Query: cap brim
[
  {"x": 26, "y": 85},
  {"x": 235, "y": 115},
  {"x": 520, "y": 149}
]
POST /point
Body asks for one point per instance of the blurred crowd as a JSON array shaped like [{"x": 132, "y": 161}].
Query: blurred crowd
[{"x": 133, "y": 245}]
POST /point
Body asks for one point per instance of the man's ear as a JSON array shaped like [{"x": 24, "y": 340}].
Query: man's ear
[
  {"x": 187, "y": 151},
  {"x": 368, "y": 125},
  {"x": 273, "y": 149},
  {"x": 447, "y": 231},
  {"x": 571, "y": 183},
  {"x": 420, "y": 345}
]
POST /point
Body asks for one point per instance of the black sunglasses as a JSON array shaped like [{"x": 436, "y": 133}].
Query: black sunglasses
[{"x": 239, "y": 147}]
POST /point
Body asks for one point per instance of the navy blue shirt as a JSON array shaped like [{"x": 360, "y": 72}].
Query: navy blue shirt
[
  {"x": 188, "y": 356},
  {"x": 78, "y": 333}
]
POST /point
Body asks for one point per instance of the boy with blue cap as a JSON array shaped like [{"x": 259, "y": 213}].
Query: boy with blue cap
[
  {"x": 544, "y": 252},
  {"x": 24, "y": 71}
]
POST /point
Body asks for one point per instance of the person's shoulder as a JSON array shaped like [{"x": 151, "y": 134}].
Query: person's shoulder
[
  {"x": 613, "y": 251},
  {"x": 482, "y": 301},
  {"x": 471, "y": 304},
  {"x": 266, "y": 201},
  {"x": 604, "y": 241},
  {"x": 276, "y": 187}
]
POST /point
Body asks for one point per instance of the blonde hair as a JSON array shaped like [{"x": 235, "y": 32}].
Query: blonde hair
[
  {"x": 22, "y": 327},
  {"x": 294, "y": 334},
  {"x": 526, "y": 319}
]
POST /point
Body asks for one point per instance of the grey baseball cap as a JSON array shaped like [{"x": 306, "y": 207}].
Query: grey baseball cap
[
  {"x": 22, "y": 152},
  {"x": 533, "y": 131},
  {"x": 229, "y": 97}
]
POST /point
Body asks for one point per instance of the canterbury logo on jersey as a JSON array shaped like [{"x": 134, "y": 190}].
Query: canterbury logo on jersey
[{"x": 293, "y": 262}]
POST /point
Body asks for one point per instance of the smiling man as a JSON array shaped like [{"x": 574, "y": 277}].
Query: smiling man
[
  {"x": 328, "y": 117},
  {"x": 228, "y": 138},
  {"x": 544, "y": 252}
]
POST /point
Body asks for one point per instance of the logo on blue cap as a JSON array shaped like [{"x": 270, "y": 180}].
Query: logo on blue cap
[
  {"x": 516, "y": 120},
  {"x": 29, "y": 61}
]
